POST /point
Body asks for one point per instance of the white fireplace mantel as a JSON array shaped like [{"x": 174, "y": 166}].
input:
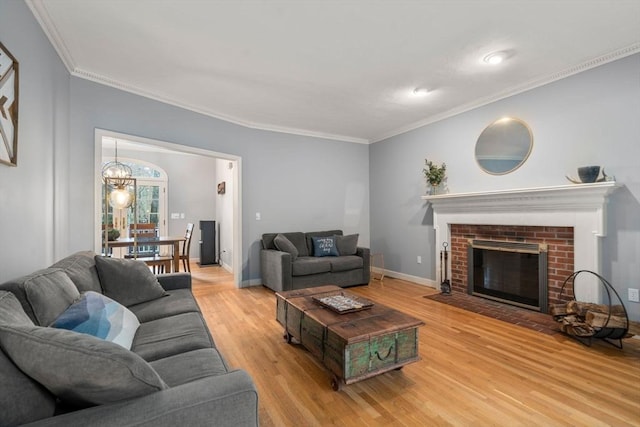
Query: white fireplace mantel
[{"x": 581, "y": 206}]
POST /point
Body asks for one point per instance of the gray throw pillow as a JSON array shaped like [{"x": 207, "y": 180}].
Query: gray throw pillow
[
  {"x": 22, "y": 400},
  {"x": 79, "y": 369},
  {"x": 347, "y": 245},
  {"x": 11, "y": 312},
  {"x": 283, "y": 244},
  {"x": 49, "y": 293},
  {"x": 128, "y": 281}
]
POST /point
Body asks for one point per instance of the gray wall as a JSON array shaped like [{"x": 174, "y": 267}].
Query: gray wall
[
  {"x": 34, "y": 220},
  {"x": 589, "y": 118}
]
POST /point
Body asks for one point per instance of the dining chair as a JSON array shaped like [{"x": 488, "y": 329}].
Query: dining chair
[
  {"x": 186, "y": 248},
  {"x": 147, "y": 254}
]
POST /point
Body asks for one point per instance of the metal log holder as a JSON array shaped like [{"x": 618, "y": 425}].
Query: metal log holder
[
  {"x": 445, "y": 286},
  {"x": 611, "y": 335}
]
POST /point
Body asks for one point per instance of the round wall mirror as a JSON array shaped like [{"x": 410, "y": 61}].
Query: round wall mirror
[{"x": 504, "y": 146}]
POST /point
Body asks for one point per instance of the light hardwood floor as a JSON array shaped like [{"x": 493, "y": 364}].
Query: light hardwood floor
[{"x": 475, "y": 371}]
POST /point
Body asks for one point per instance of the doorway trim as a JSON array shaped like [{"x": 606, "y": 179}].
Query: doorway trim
[{"x": 237, "y": 189}]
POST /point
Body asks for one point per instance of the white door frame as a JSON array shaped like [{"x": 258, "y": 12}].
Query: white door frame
[{"x": 237, "y": 188}]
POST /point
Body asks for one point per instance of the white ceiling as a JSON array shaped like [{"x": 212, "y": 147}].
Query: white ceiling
[{"x": 336, "y": 69}]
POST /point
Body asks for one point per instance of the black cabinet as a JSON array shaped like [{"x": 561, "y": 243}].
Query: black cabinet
[{"x": 208, "y": 243}]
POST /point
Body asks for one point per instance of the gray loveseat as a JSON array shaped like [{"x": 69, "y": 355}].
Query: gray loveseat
[
  {"x": 292, "y": 263},
  {"x": 172, "y": 375}
]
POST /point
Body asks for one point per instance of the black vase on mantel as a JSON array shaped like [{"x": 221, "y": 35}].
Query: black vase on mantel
[{"x": 589, "y": 174}]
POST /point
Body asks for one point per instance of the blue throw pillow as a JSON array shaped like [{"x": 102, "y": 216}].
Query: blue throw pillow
[
  {"x": 325, "y": 246},
  {"x": 100, "y": 316}
]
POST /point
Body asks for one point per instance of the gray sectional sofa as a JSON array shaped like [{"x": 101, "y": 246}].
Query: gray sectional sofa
[
  {"x": 291, "y": 261},
  {"x": 172, "y": 374}
]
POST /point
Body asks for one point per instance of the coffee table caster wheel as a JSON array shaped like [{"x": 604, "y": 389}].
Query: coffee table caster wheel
[
  {"x": 335, "y": 383},
  {"x": 287, "y": 337}
]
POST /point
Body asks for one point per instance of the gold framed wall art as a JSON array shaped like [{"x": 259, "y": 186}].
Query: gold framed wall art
[{"x": 8, "y": 108}]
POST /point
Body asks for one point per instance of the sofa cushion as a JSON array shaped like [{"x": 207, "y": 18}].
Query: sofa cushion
[
  {"x": 177, "y": 301},
  {"x": 325, "y": 246},
  {"x": 49, "y": 293},
  {"x": 11, "y": 312},
  {"x": 170, "y": 336},
  {"x": 347, "y": 245},
  {"x": 190, "y": 366},
  {"x": 128, "y": 281},
  {"x": 283, "y": 244},
  {"x": 100, "y": 316},
  {"x": 81, "y": 269},
  {"x": 309, "y": 238},
  {"x": 79, "y": 369},
  {"x": 305, "y": 266},
  {"x": 346, "y": 263}
]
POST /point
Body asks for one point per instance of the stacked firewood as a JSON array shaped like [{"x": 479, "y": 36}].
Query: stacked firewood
[{"x": 584, "y": 319}]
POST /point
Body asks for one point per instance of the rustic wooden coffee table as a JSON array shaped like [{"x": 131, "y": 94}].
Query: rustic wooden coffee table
[{"x": 353, "y": 346}]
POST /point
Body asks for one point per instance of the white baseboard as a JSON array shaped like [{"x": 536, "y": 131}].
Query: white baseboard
[
  {"x": 251, "y": 282},
  {"x": 227, "y": 267},
  {"x": 387, "y": 273},
  {"x": 409, "y": 278}
]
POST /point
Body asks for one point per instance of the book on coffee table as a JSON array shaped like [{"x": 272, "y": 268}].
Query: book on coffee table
[{"x": 342, "y": 303}]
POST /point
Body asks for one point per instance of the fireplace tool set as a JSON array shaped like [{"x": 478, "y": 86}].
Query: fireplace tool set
[{"x": 445, "y": 286}]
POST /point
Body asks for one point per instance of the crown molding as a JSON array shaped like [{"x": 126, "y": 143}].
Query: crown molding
[
  {"x": 532, "y": 84},
  {"x": 83, "y": 74},
  {"x": 39, "y": 11},
  {"x": 41, "y": 14}
]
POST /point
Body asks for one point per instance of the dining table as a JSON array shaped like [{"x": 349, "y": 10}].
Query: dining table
[{"x": 127, "y": 242}]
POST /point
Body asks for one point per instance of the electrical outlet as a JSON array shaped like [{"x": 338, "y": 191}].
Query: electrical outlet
[
  {"x": 634, "y": 295},
  {"x": 258, "y": 216},
  {"x": 419, "y": 259}
]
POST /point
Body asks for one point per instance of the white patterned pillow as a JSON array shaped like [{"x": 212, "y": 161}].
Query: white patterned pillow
[{"x": 100, "y": 316}]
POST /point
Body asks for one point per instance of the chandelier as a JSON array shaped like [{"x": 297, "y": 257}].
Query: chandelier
[{"x": 117, "y": 177}]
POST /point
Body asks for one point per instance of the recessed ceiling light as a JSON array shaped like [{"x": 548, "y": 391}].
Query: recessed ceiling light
[
  {"x": 495, "y": 58},
  {"x": 420, "y": 91}
]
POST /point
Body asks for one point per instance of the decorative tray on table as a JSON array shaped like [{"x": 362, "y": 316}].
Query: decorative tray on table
[{"x": 343, "y": 303}]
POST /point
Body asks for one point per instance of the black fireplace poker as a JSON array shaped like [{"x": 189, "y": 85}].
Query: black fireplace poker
[{"x": 445, "y": 286}]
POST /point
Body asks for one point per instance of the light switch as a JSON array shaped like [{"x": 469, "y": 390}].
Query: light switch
[
  {"x": 182, "y": 216},
  {"x": 175, "y": 215},
  {"x": 258, "y": 216}
]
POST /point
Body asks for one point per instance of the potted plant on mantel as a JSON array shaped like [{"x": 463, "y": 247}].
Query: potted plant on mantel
[{"x": 434, "y": 174}]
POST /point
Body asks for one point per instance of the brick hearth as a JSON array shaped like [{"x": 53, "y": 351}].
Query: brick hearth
[{"x": 560, "y": 251}]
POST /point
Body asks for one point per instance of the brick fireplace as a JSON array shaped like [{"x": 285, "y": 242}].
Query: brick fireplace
[
  {"x": 570, "y": 219},
  {"x": 557, "y": 240}
]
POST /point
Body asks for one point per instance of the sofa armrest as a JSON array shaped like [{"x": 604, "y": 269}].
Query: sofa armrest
[
  {"x": 365, "y": 253},
  {"x": 173, "y": 281},
  {"x": 223, "y": 400},
  {"x": 276, "y": 269}
]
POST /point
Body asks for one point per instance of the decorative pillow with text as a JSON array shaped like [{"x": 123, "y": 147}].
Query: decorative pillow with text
[{"x": 325, "y": 246}]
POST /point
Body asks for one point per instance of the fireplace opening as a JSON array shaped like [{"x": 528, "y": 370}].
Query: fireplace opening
[{"x": 511, "y": 272}]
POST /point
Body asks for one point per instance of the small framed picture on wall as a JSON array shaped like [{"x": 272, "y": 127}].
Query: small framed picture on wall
[
  {"x": 222, "y": 187},
  {"x": 8, "y": 108}
]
